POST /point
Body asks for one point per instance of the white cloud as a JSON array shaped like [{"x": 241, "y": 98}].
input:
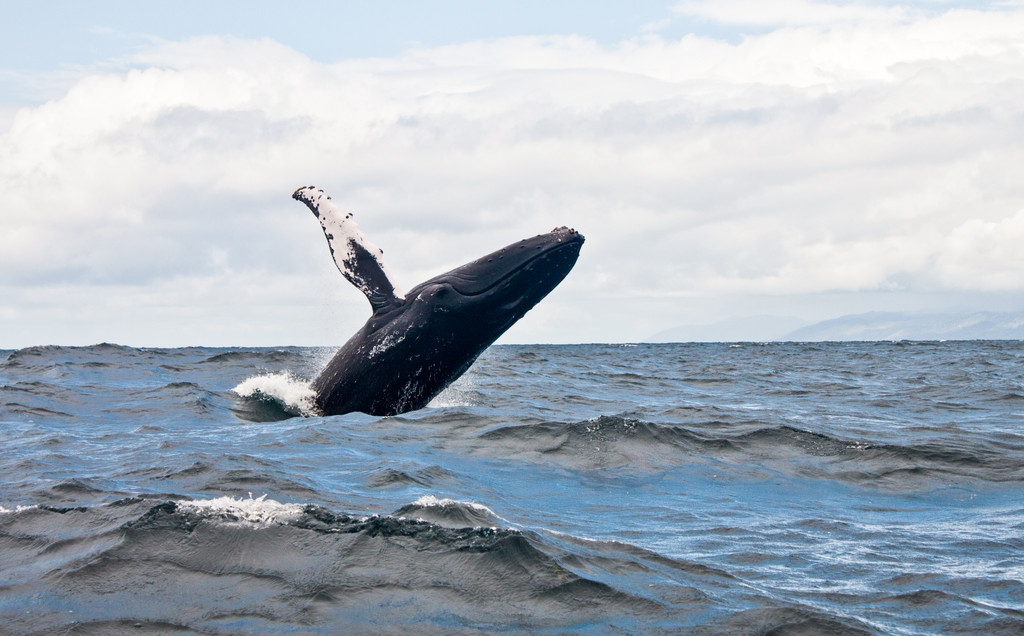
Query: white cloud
[
  {"x": 985, "y": 255},
  {"x": 865, "y": 148}
]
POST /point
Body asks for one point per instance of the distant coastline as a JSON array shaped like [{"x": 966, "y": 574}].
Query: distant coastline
[{"x": 871, "y": 326}]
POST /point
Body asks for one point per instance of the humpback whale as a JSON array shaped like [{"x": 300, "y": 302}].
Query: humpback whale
[{"x": 416, "y": 344}]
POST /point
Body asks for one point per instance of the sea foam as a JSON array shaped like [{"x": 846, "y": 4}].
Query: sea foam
[
  {"x": 258, "y": 511},
  {"x": 290, "y": 391},
  {"x": 431, "y": 501},
  {"x": 4, "y": 510}
]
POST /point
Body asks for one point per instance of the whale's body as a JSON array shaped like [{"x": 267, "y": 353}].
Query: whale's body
[{"x": 415, "y": 345}]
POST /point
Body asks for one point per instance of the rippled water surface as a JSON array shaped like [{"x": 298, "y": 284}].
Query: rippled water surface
[{"x": 706, "y": 488}]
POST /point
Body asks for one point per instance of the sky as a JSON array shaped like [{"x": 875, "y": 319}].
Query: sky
[{"x": 729, "y": 162}]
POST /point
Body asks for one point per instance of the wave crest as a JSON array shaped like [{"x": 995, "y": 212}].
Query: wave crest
[
  {"x": 260, "y": 511},
  {"x": 291, "y": 394},
  {"x": 450, "y": 513},
  {"x": 619, "y": 441}
]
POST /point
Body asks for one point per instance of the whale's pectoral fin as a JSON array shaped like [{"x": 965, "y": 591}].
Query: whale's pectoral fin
[{"x": 359, "y": 260}]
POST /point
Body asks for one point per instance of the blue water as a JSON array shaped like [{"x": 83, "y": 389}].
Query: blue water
[{"x": 705, "y": 488}]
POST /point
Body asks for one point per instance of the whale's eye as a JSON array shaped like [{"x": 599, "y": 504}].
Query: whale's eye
[
  {"x": 443, "y": 293},
  {"x": 441, "y": 299}
]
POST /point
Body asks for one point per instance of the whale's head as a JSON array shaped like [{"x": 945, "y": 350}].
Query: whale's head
[
  {"x": 519, "y": 274},
  {"x": 497, "y": 289},
  {"x": 472, "y": 305}
]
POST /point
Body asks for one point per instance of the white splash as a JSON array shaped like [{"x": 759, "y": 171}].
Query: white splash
[
  {"x": 293, "y": 392},
  {"x": 260, "y": 511},
  {"x": 459, "y": 393},
  {"x": 17, "y": 509},
  {"x": 430, "y": 501}
]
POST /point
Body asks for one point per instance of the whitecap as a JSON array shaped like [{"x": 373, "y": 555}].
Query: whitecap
[
  {"x": 290, "y": 391},
  {"x": 430, "y": 501},
  {"x": 451, "y": 513},
  {"x": 259, "y": 511},
  {"x": 4, "y": 510}
]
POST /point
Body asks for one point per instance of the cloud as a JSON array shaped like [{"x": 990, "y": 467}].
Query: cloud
[
  {"x": 985, "y": 254},
  {"x": 876, "y": 154}
]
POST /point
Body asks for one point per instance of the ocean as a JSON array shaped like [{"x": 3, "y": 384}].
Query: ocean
[{"x": 782, "y": 488}]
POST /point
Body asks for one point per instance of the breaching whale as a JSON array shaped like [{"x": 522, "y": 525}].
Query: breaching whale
[{"x": 414, "y": 345}]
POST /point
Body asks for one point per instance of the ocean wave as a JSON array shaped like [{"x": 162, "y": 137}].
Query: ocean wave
[
  {"x": 26, "y": 410},
  {"x": 259, "y": 356},
  {"x": 260, "y": 511},
  {"x": 19, "y": 508},
  {"x": 450, "y": 513},
  {"x": 789, "y": 620},
  {"x": 388, "y": 477},
  {"x": 274, "y": 396},
  {"x": 270, "y": 566},
  {"x": 41, "y": 356},
  {"x": 260, "y": 565},
  {"x": 620, "y": 441},
  {"x": 196, "y": 399}
]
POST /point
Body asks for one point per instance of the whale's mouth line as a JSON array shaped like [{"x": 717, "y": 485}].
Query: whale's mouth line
[{"x": 574, "y": 241}]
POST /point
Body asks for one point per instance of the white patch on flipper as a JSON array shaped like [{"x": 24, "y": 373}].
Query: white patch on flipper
[
  {"x": 343, "y": 235},
  {"x": 260, "y": 511}
]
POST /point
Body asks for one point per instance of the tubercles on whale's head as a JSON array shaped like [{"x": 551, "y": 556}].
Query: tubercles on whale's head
[{"x": 563, "y": 233}]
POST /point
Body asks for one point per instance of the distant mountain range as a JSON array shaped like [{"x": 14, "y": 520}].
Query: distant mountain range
[
  {"x": 749, "y": 329},
  {"x": 876, "y": 325}
]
